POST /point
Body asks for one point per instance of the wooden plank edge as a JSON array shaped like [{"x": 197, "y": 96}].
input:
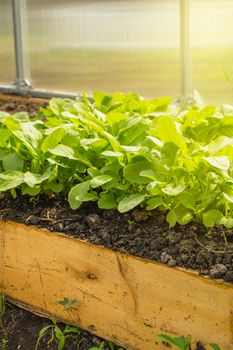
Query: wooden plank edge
[
  {"x": 102, "y": 250},
  {"x": 20, "y": 98},
  {"x": 186, "y": 271}
]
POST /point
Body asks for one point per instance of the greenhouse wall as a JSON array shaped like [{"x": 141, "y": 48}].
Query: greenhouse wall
[
  {"x": 153, "y": 47},
  {"x": 7, "y": 64}
]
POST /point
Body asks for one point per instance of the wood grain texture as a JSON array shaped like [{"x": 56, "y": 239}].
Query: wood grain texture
[{"x": 119, "y": 297}]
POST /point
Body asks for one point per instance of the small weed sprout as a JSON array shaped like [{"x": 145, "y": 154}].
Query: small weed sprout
[
  {"x": 68, "y": 307},
  {"x": 181, "y": 343},
  {"x": 56, "y": 333},
  {"x": 67, "y": 303},
  {"x": 215, "y": 346},
  {"x": 4, "y": 344},
  {"x": 103, "y": 345}
]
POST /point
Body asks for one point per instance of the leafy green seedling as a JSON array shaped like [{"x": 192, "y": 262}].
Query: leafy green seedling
[
  {"x": 215, "y": 346},
  {"x": 101, "y": 346},
  {"x": 56, "y": 333},
  {"x": 4, "y": 344},
  {"x": 180, "y": 343},
  {"x": 68, "y": 307},
  {"x": 67, "y": 303}
]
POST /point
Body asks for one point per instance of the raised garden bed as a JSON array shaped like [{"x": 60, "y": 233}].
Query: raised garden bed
[{"x": 118, "y": 296}]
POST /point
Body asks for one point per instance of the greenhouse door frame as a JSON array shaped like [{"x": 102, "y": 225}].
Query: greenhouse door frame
[{"x": 21, "y": 85}]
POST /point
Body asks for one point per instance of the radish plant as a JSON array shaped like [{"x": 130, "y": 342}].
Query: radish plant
[{"x": 123, "y": 151}]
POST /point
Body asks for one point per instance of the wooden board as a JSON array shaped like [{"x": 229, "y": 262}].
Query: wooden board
[
  {"x": 119, "y": 297},
  {"x": 7, "y": 97}
]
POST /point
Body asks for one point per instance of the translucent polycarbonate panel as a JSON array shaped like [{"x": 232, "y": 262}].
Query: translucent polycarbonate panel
[
  {"x": 127, "y": 45},
  {"x": 212, "y": 49},
  {"x": 7, "y": 62}
]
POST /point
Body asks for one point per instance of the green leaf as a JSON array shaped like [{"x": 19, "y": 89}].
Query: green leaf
[
  {"x": 154, "y": 203},
  {"x": 179, "y": 214},
  {"x": 215, "y": 346},
  {"x": 169, "y": 150},
  {"x": 76, "y": 191},
  {"x": 112, "y": 154},
  {"x": 56, "y": 105},
  {"x": 107, "y": 201},
  {"x": 167, "y": 339},
  {"x": 115, "y": 117},
  {"x": 100, "y": 180},
  {"x": 70, "y": 329},
  {"x": 180, "y": 343},
  {"x": 173, "y": 189},
  {"x": 86, "y": 197},
  {"x": 102, "y": 99},
  {"x": 112, "y": 140},
  {"x": 132, "y": 149},
  {"x": 212, "y": 217},
  {"x": 167, "y": 132},
  {"x": 31, "y": 191},
  {"x": 130, "y": 202},
  {"x": 34, "y": 179},
  {"x": 61, "y": 338},
  {"x": 29, "y": 129},
  {"x": 183, "y": 215},
  {"x": 171, "y": 218},
  {"x": 183, "y": 342},
  {"x": 58, "y": 332},
  {"x": 54, "y": 186},
  {"x": 54, "y": 162},
  {"x": 42, "y": 333},
  {"x": 67, "y": 303},
  {"x": 133, "y": 133},
  {"x": 4, "y": 137},
  {"x": 155, "y": 141},
  {"x": 53, "y": 139},
  {"x": 27, "y": 142},
  {"x": 221, "y": 162},
  {"x": 12, "y": 161},
  {"x": 63, "y": 151},
  {"x": 148, "y": 173},
  {"x": 101, "y": 346},
  {"x": 132, "y": 172},
  {"x": 226, "y": 221},
  {"x": 187, "y": 199},
  {"x": 228, "y": 198},
  {"x": 10, "y": 179}
]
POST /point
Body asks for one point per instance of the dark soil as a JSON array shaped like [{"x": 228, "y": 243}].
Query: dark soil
[
  {"x": 21, "y": 328},
  {"x": 140, "y": 233},
  {"x": 16, "y": 104}
]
